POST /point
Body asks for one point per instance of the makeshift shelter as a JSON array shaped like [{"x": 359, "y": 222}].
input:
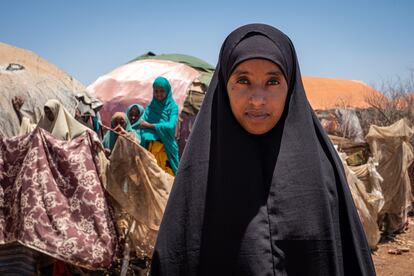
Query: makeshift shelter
[
  {"x": 140, "y": 190},
  {"x": 357, "y": 153},
  {"x": 52, "y": 198},
  {"x": 364, "y": 183},
  {"x": 338, "y": 103},
  {"x": 26, "y": 75},
  {"x": 391, "y": 148},
  {"x": 132, "y": 83},
  {"x": 342, "y": 122}
]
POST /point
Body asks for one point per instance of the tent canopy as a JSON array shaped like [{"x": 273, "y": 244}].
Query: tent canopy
[
  {"x": 200, "y": 65},
  {"x": 132, "y": 83},
  {"x": 26, "y": 75},
  {"x": 191, "y": 61}
]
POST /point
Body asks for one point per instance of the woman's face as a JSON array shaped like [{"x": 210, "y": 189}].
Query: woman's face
[
  {"x": 159, "y": 93},
  {"x": 134, "y": 115},
  {"x": 49, "y": 114},
  {"x": 257, "y": 91},
  {"x": 119, "y": 121}
]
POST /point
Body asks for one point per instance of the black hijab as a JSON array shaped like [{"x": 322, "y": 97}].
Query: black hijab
[{"x": 272, "y": 204}]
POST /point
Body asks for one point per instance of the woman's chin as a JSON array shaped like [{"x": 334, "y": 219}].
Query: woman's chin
[{"x": 256, "y": 129}]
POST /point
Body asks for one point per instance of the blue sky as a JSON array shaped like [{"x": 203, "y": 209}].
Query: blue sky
[{"x": 370, "y": 41}]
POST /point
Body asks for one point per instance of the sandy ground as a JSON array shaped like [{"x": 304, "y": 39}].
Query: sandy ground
[{"x": 392, "y": 264}]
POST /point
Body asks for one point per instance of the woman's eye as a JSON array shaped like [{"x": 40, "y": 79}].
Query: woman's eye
[
  {"x": 243, "y": 81},
  {"x": 273, "y": 82}
]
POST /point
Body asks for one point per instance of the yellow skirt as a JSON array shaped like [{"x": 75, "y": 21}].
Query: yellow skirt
[{"x": 158, "y": 150}]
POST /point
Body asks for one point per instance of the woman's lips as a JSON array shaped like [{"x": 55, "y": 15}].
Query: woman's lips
[{"x": 256, "y": 115}]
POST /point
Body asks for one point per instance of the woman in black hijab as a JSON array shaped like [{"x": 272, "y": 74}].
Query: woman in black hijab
[{"x": 260, "y": 189}]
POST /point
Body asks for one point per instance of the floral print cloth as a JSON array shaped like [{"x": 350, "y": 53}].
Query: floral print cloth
[{"x": 52, "y": 198}]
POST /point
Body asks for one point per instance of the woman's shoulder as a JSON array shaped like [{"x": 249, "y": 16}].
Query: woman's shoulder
[{"x": 174, "y": 107}]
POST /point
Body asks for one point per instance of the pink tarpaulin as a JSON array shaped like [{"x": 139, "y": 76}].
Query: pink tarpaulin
[
  {"x": 52, "y": 199},
  {"x": 132, "y": 83}
]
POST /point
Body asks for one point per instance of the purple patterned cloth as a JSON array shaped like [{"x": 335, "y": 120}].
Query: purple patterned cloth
[{"x": 52, "y": 198}]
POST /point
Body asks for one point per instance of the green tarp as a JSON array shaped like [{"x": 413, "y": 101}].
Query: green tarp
[{"x": 200, "y": 65}]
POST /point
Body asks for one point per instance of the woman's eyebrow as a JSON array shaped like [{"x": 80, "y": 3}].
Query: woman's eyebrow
[
  {"x": 241, "y": 72},
  {"x": 274, "y": 73}
]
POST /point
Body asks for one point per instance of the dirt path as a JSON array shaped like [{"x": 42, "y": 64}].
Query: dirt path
[{"x": 396, "y": 265}]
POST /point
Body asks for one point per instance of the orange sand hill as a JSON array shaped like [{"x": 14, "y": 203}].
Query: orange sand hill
[{"x": 326, "y": 93}]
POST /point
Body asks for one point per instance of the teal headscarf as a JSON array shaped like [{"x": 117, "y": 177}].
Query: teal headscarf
[
  {"x": 110, "y": 137},
  {"x": 164, "y": 115},
  {"x": 135, "y": 126}
]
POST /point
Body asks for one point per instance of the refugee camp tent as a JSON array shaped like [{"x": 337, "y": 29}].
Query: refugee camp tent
[
  {"x": 339, "y": 104},
  {"x": 26, "y": 75},
  {"x": 343, "y": 122},
  {"x": 132, "y": 83},
  {"x": 391, "y": 148},
  {"x": 140, "y": 190},
  {"x": 200, "y": 65},
  {"x": 199, "y": 86},
  {"x": 364, "y": 183}
]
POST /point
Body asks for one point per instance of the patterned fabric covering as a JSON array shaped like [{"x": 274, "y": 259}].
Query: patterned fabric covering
[{"x": 52, "y": 198}]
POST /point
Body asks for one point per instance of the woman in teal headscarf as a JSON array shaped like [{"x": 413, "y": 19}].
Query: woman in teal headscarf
[
  {"x": 120, "y": 124},
  {"x": 159, "y": 125},
  {"x": 134, "y": 114}
]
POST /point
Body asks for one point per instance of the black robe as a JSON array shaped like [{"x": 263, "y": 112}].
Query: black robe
[{"x": 272, "y": 204}]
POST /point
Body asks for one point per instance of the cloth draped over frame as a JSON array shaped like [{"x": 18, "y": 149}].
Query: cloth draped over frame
[
  {"x": 274, "y": 204},
  {"x": 135, "y": 126},
  {"x": 53, "y": 200},
  {"x": 392, "y": 149},
  {"x": 164, "y": 115},
  {"x": 140, "y": 189},
  {"x": 110, "y": 137}
]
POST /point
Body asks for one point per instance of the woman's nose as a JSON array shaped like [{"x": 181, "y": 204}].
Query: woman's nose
[{"x": 257, "y": 98}]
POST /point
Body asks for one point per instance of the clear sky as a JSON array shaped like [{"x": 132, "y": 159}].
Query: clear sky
[{"x": 366, "y": 40}]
